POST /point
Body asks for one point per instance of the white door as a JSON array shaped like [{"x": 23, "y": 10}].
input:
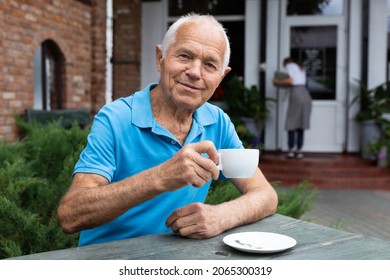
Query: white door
[{"x": 319, "y": 43}]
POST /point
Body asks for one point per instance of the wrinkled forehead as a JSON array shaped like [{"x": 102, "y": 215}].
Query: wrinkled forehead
[{"x": 204, "y": 33}]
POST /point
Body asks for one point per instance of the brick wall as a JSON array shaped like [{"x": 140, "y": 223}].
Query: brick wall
[
  {"x": 127, "y": 47},
  {"x": 3, "y": 106},
  {"x": 78, "y": 30},
  {"x": 98, "y": 70}
]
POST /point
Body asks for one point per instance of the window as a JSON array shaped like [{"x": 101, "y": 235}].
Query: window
[
  {"x": 48, "y": 61},
  {"x": 316, "y": 49},
  {"x": 315, "y": 7},
  {"x": 213, "y": 7},
  {"x": 232, "y": 16}
]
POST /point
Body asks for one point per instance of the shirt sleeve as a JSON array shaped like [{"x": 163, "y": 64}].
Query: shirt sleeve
[{"x": 98, "y": 157}]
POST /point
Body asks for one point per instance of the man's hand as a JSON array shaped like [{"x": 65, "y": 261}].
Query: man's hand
[
  {"x": 200, "y": 221},
  {"x": 190, "y": 167},
  {"x": 197, "y": 220}
]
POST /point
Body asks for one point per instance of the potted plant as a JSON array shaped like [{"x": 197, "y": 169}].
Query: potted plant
[
  {"x": 381, "y": 148},
  {"x": 218, "y": 98},
  {"x": 374, "y": 104},
  {"x": 247, "y": 108}
]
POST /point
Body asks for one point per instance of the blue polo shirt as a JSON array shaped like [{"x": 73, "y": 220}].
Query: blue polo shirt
[{"x": 126, "y": 139}]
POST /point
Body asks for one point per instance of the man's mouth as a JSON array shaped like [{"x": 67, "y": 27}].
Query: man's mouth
[{"x": 188, "y": 85}]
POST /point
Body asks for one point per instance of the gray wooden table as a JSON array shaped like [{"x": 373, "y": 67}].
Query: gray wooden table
[{"x": 314, "y": 242}]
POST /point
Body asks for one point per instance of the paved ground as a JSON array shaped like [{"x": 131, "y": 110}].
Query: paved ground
[{"x": 359, "y": 211}]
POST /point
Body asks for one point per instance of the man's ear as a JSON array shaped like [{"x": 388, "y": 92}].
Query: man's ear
[
  {"x": 227, "y": 70},
  {"x": 159, "y": 57}
]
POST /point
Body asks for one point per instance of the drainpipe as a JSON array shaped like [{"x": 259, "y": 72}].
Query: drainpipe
[
  {"x": 365, "y": 20},
  {"x": 109, "y": 50},
  {"x": 278, "y": 64},
  {"x": 348, "y": 18}
]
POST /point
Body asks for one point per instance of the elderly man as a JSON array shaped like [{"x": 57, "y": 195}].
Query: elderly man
[{"x": 151, "y": 156}]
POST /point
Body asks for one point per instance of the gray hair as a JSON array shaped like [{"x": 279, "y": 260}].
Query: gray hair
[{"x": 170, "y": 36}]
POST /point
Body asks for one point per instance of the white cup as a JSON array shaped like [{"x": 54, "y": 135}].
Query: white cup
[{"x": 238, "y": 163}]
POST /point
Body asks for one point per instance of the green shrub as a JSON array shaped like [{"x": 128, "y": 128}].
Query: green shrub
[
  {"x": 35, "y": 173},
  {"x": 293, "y": 201},
  {"x": 221, "y": 191}
]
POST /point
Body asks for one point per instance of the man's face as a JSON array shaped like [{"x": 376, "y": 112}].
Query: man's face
[{"x": 192, "y": 68}]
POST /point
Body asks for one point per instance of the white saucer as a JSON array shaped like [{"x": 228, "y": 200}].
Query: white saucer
[{"x": 259, "y": 242}]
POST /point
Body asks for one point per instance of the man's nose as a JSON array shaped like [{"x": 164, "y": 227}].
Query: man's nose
[{"x": 194, "y": 69}]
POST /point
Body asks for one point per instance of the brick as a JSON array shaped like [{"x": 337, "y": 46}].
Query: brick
[{"x": 79, "y": 32}]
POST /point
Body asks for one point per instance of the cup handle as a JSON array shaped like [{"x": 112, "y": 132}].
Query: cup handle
[{"x": 219, "y": 164}]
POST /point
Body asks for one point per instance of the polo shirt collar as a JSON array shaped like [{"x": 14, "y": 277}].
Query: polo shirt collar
[{"x": 142, "y": 115}]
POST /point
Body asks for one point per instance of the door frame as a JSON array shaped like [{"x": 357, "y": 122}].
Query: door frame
[{"x": 337, "y": 107}]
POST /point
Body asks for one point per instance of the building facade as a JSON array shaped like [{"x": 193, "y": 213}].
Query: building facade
[
  {"x": 340, "y": 43},
  {"x": 50, "y": 57}
]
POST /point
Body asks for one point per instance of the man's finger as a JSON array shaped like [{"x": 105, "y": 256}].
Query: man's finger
[
  {"x": 181, "y": 212},
  {"x": 208, "y": 148},
  {"x": 208, "y": 164}
]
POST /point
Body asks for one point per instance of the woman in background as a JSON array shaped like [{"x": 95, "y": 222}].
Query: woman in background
[{"x": 299, "y": 106}]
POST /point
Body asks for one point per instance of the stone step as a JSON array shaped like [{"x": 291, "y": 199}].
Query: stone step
[
  {"x": 333, "y": 171},
  {"x": 324, "y": 160},
  {"x": 334, "y": 183},
  {"x": 316, "y": 170}
]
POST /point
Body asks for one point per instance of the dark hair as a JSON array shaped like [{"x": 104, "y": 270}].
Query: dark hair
[{"x": 288, "y": 60}]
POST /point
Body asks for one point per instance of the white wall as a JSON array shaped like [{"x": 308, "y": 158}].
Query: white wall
[
  {"x": 354, "y": 72},
  {"x": 152, "y": 15},
  {"x": 271, "y": 65},
  {"x": 252, "y": 42},
  {"x": 377, "y": 46}
]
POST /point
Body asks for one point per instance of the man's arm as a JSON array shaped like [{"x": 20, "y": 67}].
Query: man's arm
[
  {"x": 258, "y": 200},
  {"x": 92, "y": 201}
]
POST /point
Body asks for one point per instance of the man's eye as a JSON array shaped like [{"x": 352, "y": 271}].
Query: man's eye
[
  {"x": 211, "y": 66},
  {"x": 184, "y": 56}
]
